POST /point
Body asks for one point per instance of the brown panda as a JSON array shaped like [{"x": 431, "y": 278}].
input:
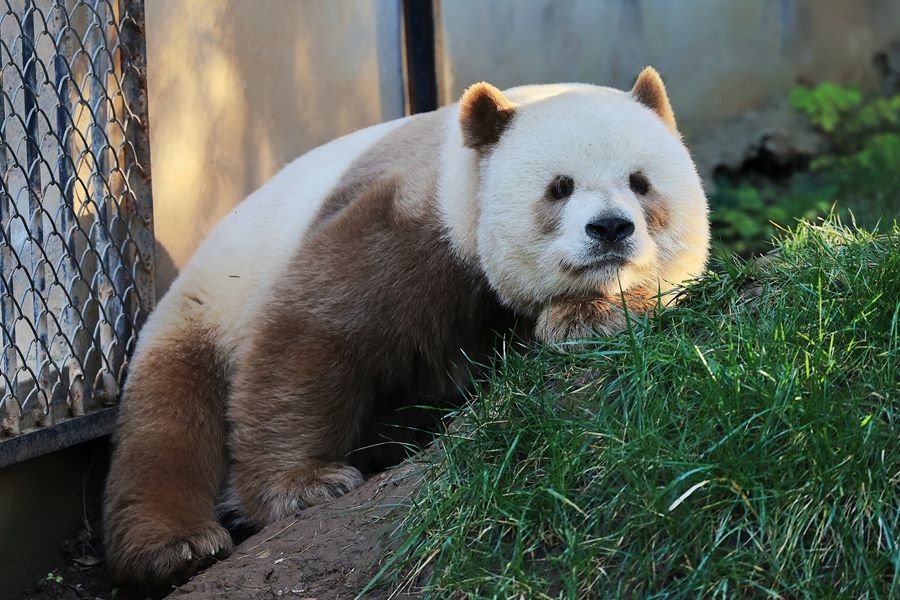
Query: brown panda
[{"x": 360, "y": 280}]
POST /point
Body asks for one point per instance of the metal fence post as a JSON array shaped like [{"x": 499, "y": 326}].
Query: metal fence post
[
  {"x": 137, "y": 158},
  {"x": 418, "y": 22}
]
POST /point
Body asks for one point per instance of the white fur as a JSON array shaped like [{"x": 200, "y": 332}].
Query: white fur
[{"x": 457, "y": 190}]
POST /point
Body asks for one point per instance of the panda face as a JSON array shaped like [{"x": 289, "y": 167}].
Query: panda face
[{"x": 588, "y": 192}]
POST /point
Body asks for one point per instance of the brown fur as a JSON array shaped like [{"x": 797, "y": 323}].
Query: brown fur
[
  {"x": 484, "y": 113},
  {"x": 650, "y": 91},
  {"x": 374, "y": 317},
  {"x": 399, "y": 156},
  {"x": 548, "y": 214},
  {"x": 160, "y": 523},
  {"x": 567, "y": 319},
  {"x": 371, "y": 320},
  {"x": 656, "y": 212}
]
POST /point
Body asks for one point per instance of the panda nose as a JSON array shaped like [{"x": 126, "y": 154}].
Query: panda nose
[{"x": 610, "y": 230}]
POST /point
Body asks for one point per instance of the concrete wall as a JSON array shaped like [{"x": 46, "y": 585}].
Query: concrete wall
[
  {"x": 723, "y": 61},
  {"x": 239, "y": 88}
]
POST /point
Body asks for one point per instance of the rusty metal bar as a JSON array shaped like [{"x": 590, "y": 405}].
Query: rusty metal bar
[
  {"x": 137, "y": 156},
  {"x": 62, "y": 435}
]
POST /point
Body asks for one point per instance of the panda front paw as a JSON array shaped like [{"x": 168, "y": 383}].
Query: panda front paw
[{"x": 563, "y": 320}]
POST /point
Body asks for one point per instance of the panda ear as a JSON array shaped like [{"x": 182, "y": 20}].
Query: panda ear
[
  {"x": 650, "y": 91},
  {"x": 484, "y": 113}
]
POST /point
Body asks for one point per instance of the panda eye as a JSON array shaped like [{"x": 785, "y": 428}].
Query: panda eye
[
  {"x": 639, "y": 183},
  {"x": 561, "y": 187}
]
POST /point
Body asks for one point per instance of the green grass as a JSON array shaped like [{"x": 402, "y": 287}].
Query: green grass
[{"x": 743, "y": 443}]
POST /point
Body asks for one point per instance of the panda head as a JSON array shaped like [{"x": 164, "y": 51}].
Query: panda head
[{"x": 584, "y": 191}]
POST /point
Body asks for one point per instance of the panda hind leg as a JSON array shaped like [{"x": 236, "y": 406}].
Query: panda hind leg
[
  {"x": 168, "y": 464},
  {"x": 293, "y": 432}
]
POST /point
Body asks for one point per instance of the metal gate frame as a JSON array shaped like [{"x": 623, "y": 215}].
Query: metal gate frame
[{"x": 107, "y": 289}]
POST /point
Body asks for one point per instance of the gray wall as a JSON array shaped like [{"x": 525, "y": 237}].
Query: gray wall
[{"x": 728, "y": 64}]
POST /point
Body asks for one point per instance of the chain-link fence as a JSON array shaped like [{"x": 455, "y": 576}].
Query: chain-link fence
[{"x": 76, "y": 243}]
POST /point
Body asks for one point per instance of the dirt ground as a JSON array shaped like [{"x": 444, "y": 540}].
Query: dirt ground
[{"x": 325, "y": 552}]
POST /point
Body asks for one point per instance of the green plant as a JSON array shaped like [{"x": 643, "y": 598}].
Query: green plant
[
  {"x": 858, "y": 173},
  {"x": 54, "y": 578},
  {"x": 826, "y": 105}
]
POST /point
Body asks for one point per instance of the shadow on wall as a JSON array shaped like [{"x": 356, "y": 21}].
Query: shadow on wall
[{"x": 238, "y": 89}]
